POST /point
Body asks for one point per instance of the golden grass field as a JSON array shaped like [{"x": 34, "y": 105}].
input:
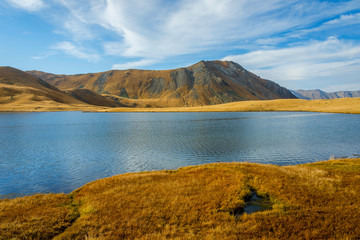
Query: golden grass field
[
  {"x": 340, "y": 105},
  {"x": 311, "y": 201}
]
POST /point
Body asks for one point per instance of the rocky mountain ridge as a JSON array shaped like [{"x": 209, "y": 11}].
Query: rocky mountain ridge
[{"x": 204, "y": 83}]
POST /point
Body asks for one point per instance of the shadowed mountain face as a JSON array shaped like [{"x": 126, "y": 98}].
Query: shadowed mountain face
[
  {"x": 92, "y": 98},
  {"x": 204, "y": 83},
  {"x": 318, "y": 94}
]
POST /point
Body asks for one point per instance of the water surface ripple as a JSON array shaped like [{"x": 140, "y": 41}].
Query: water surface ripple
[{"x": 61, "y": 151}]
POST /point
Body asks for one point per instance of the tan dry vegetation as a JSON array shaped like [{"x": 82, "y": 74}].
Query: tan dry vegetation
[
  {"x": 45, "y": 106},
  {"x": 20, "y": 87},
  {"x": 341, "y": 105},
  {"x": 311, "y": 201},
  {"x": 36, "y": 217}
]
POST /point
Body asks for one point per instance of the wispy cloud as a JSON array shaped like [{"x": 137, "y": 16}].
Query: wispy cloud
[
  {"x": 140, "y": 63},
  {"x": 328, "y": 60},
  {"x": 44, "y": 56},
  {"x": 273, "y": 35},
  {"x": 78, "y": 52},
  {"x": 346, "y": 19},
  {"x": 161, "y": 29},
  {"x": 29, "y": 5}
]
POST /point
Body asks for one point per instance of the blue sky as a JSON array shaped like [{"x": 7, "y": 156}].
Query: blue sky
[{"x": 300, "y": 44}]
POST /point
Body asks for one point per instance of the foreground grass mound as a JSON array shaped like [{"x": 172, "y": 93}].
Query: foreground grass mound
[{"x": 311, "y": 201}]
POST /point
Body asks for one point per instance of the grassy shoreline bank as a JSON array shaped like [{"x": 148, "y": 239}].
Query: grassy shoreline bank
[
  {"x": 311, "y": 201},
  {"x": 340, "y": 105}
]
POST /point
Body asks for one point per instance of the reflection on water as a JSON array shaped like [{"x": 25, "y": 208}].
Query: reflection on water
[{"x": 61, "y": 151}]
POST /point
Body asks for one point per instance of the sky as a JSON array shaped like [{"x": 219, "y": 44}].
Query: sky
[{"x": 299, "y": 44}]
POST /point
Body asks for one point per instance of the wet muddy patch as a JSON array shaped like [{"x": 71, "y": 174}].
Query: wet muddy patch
[
  {"x": 254, "y": 203},
  {"x": 257, "y": 203}
]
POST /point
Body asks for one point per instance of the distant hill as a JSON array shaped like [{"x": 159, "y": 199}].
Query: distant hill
[
  {"x": 21, "y": 87},
  {"x": 318, "y": 94},
  {"x": 204, "y": 83}
]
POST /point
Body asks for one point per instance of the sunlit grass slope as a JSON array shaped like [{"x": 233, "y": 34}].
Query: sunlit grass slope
[
  {"x": 311, "y": 201},
  {"x": 340, "y": 105},
  {"x": 46, "y": 106}
]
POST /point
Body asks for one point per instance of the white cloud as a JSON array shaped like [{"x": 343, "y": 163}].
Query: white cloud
[
  {"x": 328, "y": 60},
  {"x": 44, "y": 56},
  {"x": 78, "y": 52},
  {"x": 135, "y": 64},
  {"x": 77, "y": 29},
  {"x": 114, "y": 48},
  {"x": 29, "y": 5},
  {"x": 160, "y": 29},
  {"x": 338, "y": 22},
  {"x": 345, "y": 19},
  {"x": 155, "y": 30}
]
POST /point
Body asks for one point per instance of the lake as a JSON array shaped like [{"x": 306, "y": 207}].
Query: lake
[{"x": 61, "y": 151}]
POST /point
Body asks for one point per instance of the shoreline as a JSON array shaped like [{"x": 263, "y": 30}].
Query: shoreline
[
  {"x": 340, "y": 105},
  {"x": 319, "y": 200},
  {"x": 21, "y": 195}
]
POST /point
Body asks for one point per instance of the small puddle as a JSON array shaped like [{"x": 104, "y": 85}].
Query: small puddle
[
  {"x": 254, "y": 203},
  {"x": 257, "y": 203}
]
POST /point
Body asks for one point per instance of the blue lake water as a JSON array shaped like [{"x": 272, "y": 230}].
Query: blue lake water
[{"x": 61, "y": 151}]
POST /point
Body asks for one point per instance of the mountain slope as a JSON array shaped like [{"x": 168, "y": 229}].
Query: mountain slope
[
  {"x": 21, "y": 87},
  {"x": 18, "y": 87},
  {"x": 205, "y": 83},
  {"x": 318, "y": 94},
  {"x": 92, "y": 98}
]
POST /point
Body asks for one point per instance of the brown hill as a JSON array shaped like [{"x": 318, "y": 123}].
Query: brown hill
[
  {"x": 92, "y": 98},
  {"x": 21, "y": 87},
  {"x": 205, "y": 83}
]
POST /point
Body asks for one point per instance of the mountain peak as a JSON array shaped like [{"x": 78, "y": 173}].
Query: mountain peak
[{"x": 204, "y": 83}]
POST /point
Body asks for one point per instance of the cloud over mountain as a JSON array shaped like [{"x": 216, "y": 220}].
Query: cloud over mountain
[{"x": 160, "y": 34}]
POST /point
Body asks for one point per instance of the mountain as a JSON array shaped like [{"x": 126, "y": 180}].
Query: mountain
[
  {"x": 92, "y": 98},
  {"x": 21, "y": 87},
  {"x": 204, "y": 83},
  {"x": 318, "y": 94}
]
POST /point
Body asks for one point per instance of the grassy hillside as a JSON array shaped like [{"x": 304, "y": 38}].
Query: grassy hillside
[
  {"x": 18, "y": 87},
  {"x": 311, "y": 201},
  {"x": 343, "y": 105}
]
